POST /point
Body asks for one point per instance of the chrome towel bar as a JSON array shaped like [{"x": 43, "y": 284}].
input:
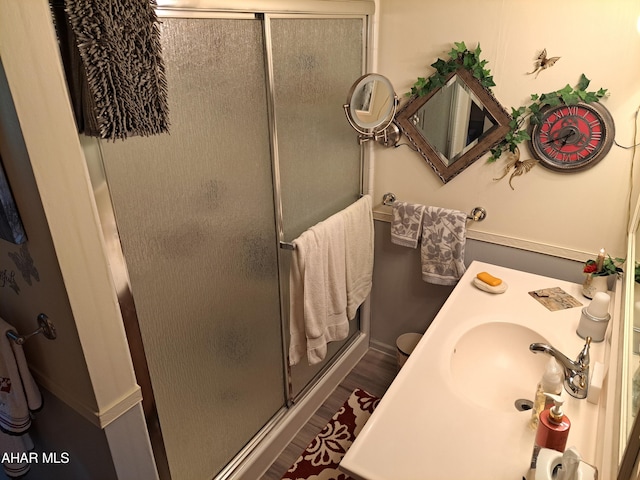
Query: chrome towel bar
[
  {"x": 47, "y": 328},
  {"x": 287, "y": 245},
  {"x": 290, "y": 245},
  {"x": 477, "y": 214}
]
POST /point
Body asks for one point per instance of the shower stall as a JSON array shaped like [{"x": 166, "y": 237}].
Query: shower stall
[{"x": 195, "y": 221}]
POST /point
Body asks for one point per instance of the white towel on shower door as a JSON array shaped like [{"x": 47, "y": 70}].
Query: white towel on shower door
[
  {"x": 298, "y": 338},
  {"x": 318, "y": 293},
  {"x": 359, "y": 253}
]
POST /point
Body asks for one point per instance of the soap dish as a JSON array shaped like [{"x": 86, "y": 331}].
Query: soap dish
[{"x": 488, "y": 288}]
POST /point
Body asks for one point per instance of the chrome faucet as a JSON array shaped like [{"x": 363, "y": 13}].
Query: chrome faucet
[{"x": 576, "y": 373}]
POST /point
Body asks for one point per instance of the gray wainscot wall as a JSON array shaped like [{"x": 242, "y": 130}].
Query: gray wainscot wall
[{"x": 402, "y": 302}]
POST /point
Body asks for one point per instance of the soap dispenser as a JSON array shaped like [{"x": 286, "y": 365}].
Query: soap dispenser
[
  {"x": 553, "y": 429},
  {"x": 551, "y": 382}
]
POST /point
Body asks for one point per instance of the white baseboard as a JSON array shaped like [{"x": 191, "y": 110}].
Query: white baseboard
[
  {"x": 383, "y": 347},
  {"x": 100, "y": 419}
]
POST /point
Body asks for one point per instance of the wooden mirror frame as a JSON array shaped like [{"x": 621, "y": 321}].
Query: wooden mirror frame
[{"x": 485, "y": 143}]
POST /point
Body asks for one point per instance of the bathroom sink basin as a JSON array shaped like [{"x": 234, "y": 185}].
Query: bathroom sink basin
[{"x": 491, "y": 365}]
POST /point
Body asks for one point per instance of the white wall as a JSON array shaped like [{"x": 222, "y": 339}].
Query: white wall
[
  {"x": 565, "y": 214},
  {"x": 29, "y": 51},
  {"x": 58, "y": 363}
]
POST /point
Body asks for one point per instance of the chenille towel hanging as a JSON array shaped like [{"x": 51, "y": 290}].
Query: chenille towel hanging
[
  {"x": 116, "y": 74},
  {"x": 443, "y": 240}
]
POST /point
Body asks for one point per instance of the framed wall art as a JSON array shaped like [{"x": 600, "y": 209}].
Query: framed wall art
[{"x": 11, "y": 228}]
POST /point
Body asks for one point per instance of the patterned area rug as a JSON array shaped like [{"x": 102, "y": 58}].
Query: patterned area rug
[{"x": 323, "y": 455}]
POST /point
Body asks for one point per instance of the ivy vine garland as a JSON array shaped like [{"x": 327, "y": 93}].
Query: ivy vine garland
[
  {"x": 568, "y": 95},
  {"x": 460, "y": 55}
]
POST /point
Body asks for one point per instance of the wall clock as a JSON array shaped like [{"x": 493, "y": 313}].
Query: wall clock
[{"x": 570, "y": 138}]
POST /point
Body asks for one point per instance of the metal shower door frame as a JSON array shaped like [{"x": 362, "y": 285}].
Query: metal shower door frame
[
  {"x": 241, "y": 9},
  {"x": 284, "y": 243}
]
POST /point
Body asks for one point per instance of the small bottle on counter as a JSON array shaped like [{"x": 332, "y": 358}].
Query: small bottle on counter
[
  {"x": 553, "y": 429},
  {"x": 551, "y": 382}
]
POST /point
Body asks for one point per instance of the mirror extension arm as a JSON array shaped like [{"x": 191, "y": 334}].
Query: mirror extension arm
[{"x": 387, "y": 135}]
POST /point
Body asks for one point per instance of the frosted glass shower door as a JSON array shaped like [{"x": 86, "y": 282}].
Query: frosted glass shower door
[
  {"x": 315, "y": 62},
  {"x": 195, "y": 214}
]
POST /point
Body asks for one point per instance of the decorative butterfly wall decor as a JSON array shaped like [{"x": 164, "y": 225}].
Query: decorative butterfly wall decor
[
  {"x": 520, "y": 167},
  {"x": 24, "y": 263},
  {"x": 542, "y": 63}
]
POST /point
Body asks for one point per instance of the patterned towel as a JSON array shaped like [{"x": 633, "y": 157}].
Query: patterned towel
[
  {"x": 406, "y": 223},
  {"x": 15, "y": 449},
  {"x": 19, "y": 397},
  {"x": 19, "y": 394},
  {"x": 443, "y": 238}
]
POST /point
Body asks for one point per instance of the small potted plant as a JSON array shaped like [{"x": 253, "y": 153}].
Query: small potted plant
[{"x": 598, "y": 272}]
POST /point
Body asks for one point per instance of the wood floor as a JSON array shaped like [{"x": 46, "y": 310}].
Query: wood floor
[{"x": 374, "y": 373}]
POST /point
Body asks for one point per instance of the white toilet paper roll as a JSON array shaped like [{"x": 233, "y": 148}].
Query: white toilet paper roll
[
  {"x": 548, "y": 460},
  {"x": 551, "y": 460}
]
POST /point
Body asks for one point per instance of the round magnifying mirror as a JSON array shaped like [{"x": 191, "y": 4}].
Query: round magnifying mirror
[
  {"x": 371, "y": 101},
  {"x": 371, "y": 107}
]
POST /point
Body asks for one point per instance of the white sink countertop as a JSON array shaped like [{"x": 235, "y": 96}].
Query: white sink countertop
[{"x": 435, "y": 423}]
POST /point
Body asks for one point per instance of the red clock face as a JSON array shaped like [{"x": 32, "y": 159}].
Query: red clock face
[{"x": 572, "y": 137}]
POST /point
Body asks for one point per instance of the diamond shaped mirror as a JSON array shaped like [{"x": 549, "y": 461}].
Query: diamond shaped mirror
[{"x": 454, "y": 125}]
